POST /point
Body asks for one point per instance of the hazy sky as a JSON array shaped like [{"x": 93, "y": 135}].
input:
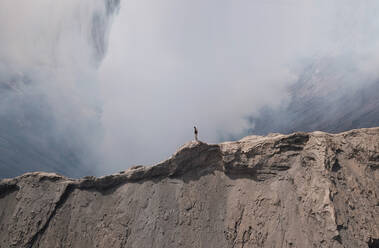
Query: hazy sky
[{"x": 172, "y": 64}]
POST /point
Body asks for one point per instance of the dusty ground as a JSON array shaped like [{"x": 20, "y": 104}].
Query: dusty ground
[{"x": 299, "y": 190}]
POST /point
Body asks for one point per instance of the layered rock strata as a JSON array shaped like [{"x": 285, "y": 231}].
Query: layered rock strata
[{"x": 298, "y": 190}]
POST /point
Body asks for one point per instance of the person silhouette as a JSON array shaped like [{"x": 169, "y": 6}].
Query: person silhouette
[{"x": 196, "y": 133}]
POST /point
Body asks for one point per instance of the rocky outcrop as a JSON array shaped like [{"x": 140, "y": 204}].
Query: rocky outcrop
[{"x": 299, "y": 190}]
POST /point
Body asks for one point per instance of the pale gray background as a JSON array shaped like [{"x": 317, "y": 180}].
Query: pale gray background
[{"x": 95, "y": 86}]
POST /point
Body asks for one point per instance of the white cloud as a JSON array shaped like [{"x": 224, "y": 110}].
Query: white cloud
[{"x": 172, "y": 64}]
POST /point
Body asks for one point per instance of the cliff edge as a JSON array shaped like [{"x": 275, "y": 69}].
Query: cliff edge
[{"x": 299, "y": 190}]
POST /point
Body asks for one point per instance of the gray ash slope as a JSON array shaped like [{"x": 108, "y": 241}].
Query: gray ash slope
[
  {"x": 31, "y": 136},
  {"x": 329, "y": 95},
  {"x": 298, "y": 190}
]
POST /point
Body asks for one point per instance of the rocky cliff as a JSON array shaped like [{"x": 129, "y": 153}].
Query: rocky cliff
[{"x": 298, "y": 190}]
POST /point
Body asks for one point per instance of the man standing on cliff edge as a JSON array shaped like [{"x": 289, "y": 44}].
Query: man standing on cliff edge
[{"x": 195, "y": 131}]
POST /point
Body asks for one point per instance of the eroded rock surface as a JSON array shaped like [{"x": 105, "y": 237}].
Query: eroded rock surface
[{"x": 299, "y": 190}]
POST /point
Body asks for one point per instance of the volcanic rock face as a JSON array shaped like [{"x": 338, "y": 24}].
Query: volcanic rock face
[{"x": 299, "y": 190}]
